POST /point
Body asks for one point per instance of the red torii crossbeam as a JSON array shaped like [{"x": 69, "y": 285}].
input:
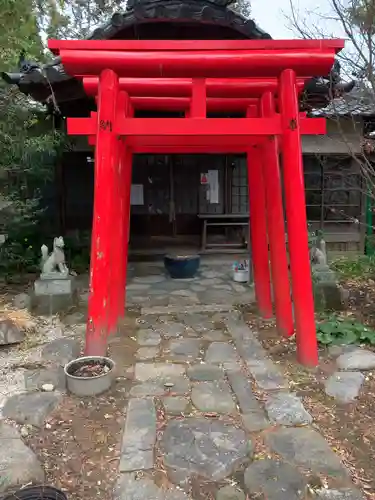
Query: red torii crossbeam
[{"x": 191, "y": 76}]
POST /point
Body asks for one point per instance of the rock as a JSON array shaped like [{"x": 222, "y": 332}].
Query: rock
[
  {"x": 306, "y": 448},
  {"x": 170, "y": 330},
  {"x": 48, "y": 387},
  {"x": 148, "y": 338},
  {"x": 340, "y": 494},
  {"x": 31, "y": 408},
  {"x": 360, "y": 359},
  {"x": 61, "y": 351},
  {"x": 22, "y": 301},
  {"x": 138, "y": 440},
  {"x": 204, "y": 372},
  {"x": 213, "y": 397},
  {"x": 76, "y": 318},
  {"x": 336, "y": 350},
  {"x": 275, "y": 480},
  {"x": 184, "y": 349},
  {"x": 24, "y": 431},
  {"x": 255, "y": 421},
  {"x": 220, "y": 353},
  {"x": 35, "y": 379},
  {"x": 152, "y": 371},
  {"x": 284, "y": 408},
  {"x": 18, "y": 464},
  {"x": 10, "y": 333},
  {"x": 344, "y": 386},
  {"x": 131, "y": 487},
  {"x": 230, "y": 493},
  {"x": 242, "y": 389},
  {"x": 197, "y": 446},
  {"x": 147, "y": 353},
  {"x": 175, "y": 405}
]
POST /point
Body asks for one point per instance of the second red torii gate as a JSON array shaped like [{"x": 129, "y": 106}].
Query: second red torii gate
[{"x": 262, "y": 134}]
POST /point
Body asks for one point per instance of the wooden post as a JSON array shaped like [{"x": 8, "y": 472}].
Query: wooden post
[
  {"x": 258, "y": 228},
  {"x": 106, "y": 157},
  {"x": 276, "y": 226},
  {"x": 295, "y": 203}
]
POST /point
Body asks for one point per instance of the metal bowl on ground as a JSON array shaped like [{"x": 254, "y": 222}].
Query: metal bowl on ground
[
  {"x": 89, "y": 385},
  {"x": 36, "y": 493},
  {"x": 182, "y": 266}
]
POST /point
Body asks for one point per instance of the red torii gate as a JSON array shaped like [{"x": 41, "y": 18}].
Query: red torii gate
[{"x": 190, "y": 76}]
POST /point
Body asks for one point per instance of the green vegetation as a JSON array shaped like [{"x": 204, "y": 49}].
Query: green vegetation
[
  {"x": 361, "y": 267},
  {"x": 335, "y": 330}
]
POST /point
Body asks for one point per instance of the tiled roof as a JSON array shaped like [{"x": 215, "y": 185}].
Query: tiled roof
[{"x": 360, "y": 101}]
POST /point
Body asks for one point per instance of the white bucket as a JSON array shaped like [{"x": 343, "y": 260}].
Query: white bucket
[{"x": 241, "y": 276}]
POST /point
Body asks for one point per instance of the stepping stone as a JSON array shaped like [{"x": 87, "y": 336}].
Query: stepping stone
[
  {"x": 175, "y": 405},
  {"x": 147, "y": 353},
  {"x": 32, "y": 408},
  {"x": 18, "y": 464},
  {"x": 306, "y": 448},
  {"x": 255, "y": 421},
  {"x": 184, "y": 349},
  {"x": 210, "y": 282},
  {"x": 244, "y": 394},
  {"x": 198, "y": 322},
  {"x": 149, "y": 280},
  {"x": 137, "y": 287},
  {"x": 360, "y": 359},
  {"x": 214, "y": 336},
  {"x": 213, "y": 397},
  {"x": 230, "y": 493},
  {"x": 61, "y": 351},
  {"x": 131, "y": 487},
  {"x": 151, "y": 388},
  {"x": 35, "y": 379},
  {"x": 161, "y": 386},
  {"x": 138, "y": 440},
  {"x": 341, "y": 494},
  {"x": 154, "y": 371},
  {"x": 344, "y": 386},
  {"x": 220, "y": 353},
  {"x": 275, "y": 480},
  {"x": 171, "y": 330},
  {"x": 148, "y": 338},
  {"x": 284, "y": 408},
  {"x": 205, "y": 373},
  {"x": 212, "y": 274},
  {"x": 207, "y": 448},
  {"x": 10, "y": 333}
]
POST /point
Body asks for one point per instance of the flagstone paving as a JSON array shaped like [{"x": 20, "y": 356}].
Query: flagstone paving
[{"x": 215, "y": 411}]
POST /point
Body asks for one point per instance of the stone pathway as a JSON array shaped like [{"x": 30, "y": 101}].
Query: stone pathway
[
  {"x": 212, "y": 285},
  {"x": 210, "y": 414}
]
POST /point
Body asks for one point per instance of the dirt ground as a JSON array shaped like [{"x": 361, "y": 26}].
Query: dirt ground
[{"x": 350, "y": 429}]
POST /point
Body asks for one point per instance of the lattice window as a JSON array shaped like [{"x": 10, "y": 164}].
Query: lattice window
[
  {"x": 239, "y": 189},
  {"x": 333, "y": 190}
]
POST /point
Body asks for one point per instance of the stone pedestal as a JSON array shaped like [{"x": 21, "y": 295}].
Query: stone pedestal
[{"x": 52, "y": 294}]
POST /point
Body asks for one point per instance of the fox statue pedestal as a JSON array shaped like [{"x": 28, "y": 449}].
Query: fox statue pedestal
[
  {"x": 55, "y": 290},
  {"x": 54, "y": 294}
]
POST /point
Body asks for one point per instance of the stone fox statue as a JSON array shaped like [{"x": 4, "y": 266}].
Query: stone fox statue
[{"x": 55, "y": 261}]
